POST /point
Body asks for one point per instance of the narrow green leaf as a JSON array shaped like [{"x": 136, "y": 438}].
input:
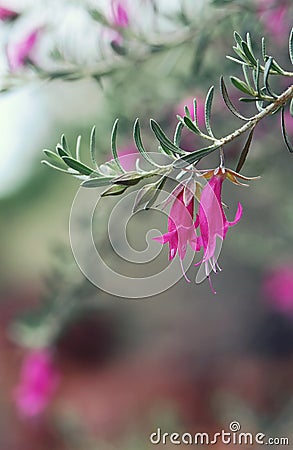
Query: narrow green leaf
[
  {"x": 187, "y": 112},
  {"x": 267, "y": 69},
  {"x": 139, "y": 144},
  {"x": 263, "y": 49},
  {"x": 207, "y": 110},
  {"x": 77, "y": 151},
  {"x": 238, "y": 39},
  {"x": 47, "y": 163},
  {"x": 144, "y": 195},
  {"x": 60, "y": 151},
  {"x": 77, "y": 165},
  {"x": 53, "y": 156},
  {"x": 238, "y": 61},
  {"x": 249, "y": 55},
  {"x": 256, "y": 78},
  {"x": 164, "y": 140},
  {"x": 190, "y": 125},
  {"x": 114, "y": 190},
  {"x": 128, "y": 179},
  {"x": 97, "y": 182},
  {"x": 93, "y": 146},
  {"x": 114, "y": 146},
  {"x": 195, "y": 112},
  {"x": 178, "y": 133},
  {"x": 239, "y": 84},
  {"x": 291, "y": 107},
  {"x": 160, "y": 186},
  {"x": 245, "y": 151},
  {"x": 227, "y": 100},
  {"x": 284, "y": 132},
  {"x": 291, "y": 46},
  {"x": 64, "y": 144},
  {"x": 193, "y": 157}
]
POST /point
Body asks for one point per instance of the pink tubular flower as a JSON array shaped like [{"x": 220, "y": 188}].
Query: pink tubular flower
[
  {"x": 211, "y": 218},
  {"x": 17, "y": 53},
  {"x": 38, "y": 381},
  {"x": 180, "y": 225},
  {"x": 7, "y": 14},
  {"x": 278, "y": 289}
]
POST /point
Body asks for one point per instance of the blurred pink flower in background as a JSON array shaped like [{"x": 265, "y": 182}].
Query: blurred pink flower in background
[
  {"x": 18, "y": 52},
  {"x": 128, "y": 155},
  {"x": 119, "y": 16},
  {"x": 38, "y": 381},
  {"x": 6, "y": 14},
  {"x": 274, "y": 16},
  {"x": 277, "y": 288},
  {"x": 179, "y": 109}
]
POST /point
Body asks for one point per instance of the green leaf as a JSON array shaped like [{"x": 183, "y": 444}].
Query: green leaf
[
  {"x": 160, "y": 186},
  {"x": 245, "y": 151},
  {"x": 77, "y": 165},
  {"x": 207, "y": 110},
  {"x": 47, "y": 163},
  {"x": 238, "y": 39},
  {"x": 284, "y": 132},
  {"x": 139, "y": 144},
  {"x": 60, "y": 151},
  {"x": 291, "y": 107},
  {"x": 238, "y": 61},
  {"x": 193, "y": 157},
  {"x": 114, "y": 147},
  {"x": 192, "y": 127},
  {"x": 256, "y": 78},
  {"x": 77, "y": 149},
  {"x": 114, "y": 190},
  {"x": 267, "y": 69},
  {"x": 177, "y": 134},
  {"x": 164, "y": 140},
  {"x": 144, "y": 195},
  {"x": 249, "y": 55},
  {"x": 97, "y": 182},
  {"x": 93, "y": 146},
  {"x": 64, "y": 144},
  {"x": 128, "y": 179},
  {"x": 291, "y": 46},
  {"x": 227, "y": 100},
  {"x": 263, "y": 49},
  {"x": 53, "y": 156},
  {"x": 239, "y": 84}
]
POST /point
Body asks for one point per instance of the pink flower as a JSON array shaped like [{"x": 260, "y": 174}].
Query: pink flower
[
  {"x": 7, "y": 14},
  {"x": 180, "y": 225},
  {"x": 119, "y": 13},
  {"x": 211, "y": 218},
  {"x": 18, "y": 53},
  {"x": 278, "y": 289},
  {"x": 38, "y": 381}
]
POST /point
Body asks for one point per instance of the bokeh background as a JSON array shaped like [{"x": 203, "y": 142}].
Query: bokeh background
[{"x": 185, "y": 360}]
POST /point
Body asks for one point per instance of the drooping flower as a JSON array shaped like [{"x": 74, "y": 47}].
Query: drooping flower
[
  {"x": 181, "y": 229},
  {"x": 211, "y": 219},
  {"x": 19, "y": 52},
  {"x": 278, "y": 289},
  {"x": 7, "y": 14},
  {"x": 38, "y": 381}
]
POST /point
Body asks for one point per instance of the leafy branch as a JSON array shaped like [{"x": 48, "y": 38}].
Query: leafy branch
[{"x": 112, "y": 174}]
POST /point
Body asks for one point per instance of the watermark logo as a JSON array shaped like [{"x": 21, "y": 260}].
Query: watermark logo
[{"x": 233, "y": 436}]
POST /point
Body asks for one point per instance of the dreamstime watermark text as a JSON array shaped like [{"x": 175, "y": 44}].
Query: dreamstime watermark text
[{"x": 234, "y": 436}]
